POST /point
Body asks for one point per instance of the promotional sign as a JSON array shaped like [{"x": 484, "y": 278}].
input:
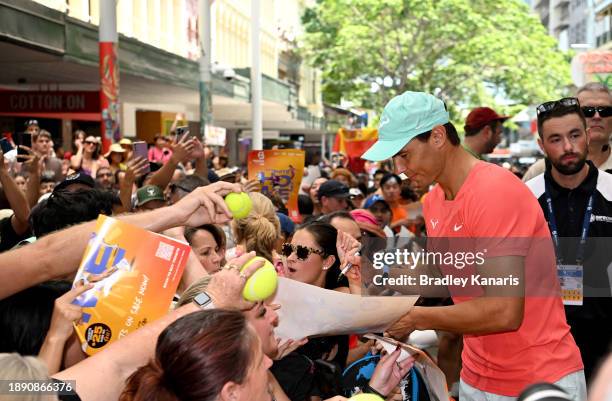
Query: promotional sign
[
  {"x": 135, "y": 274},
  {"x": 279, "y": 171},
  {"x": 215, "y": 136}
]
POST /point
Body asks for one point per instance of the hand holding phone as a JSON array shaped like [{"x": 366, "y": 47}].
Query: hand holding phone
[
  {"x": 180, "y": 131},
  {"x": 23, "y": 139},
  {"x": 141, "y": 150}
]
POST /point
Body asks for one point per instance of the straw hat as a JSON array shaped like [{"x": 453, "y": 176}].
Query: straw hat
[{"x": 115, "y": 148}]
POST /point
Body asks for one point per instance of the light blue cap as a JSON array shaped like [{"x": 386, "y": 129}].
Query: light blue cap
[{"x": 404, "y": 117}]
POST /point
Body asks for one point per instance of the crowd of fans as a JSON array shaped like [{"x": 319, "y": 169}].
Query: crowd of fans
[{"x": 50, "y": 197}]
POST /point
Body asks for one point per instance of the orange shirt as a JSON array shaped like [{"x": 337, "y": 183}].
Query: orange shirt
[
  {"x": 493, "y": 203},
  {"x": 399, "y": 211}
]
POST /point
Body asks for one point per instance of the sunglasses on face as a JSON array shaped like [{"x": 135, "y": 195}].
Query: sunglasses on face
[
  {"x": 604, "y": 111},
  {"x": 302, "y": 252},
  {"x": 567, "y": 102},
  {"x": 89, "y": 143}
]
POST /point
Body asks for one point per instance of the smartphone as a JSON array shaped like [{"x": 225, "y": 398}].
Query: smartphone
[
  {"x": 141, "y": 150},
  {"x": 182, "y": 131},
  {"x": 5, "y": 145},
  {"x": 23, "y": 139}
]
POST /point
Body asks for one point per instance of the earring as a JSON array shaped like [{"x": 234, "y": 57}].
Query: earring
[{"x": 325, "y": 268}]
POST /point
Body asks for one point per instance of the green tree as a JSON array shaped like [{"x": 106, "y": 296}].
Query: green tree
[{"x": 466, "y": 51}]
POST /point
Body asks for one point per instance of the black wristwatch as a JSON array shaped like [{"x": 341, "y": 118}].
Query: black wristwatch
[{"x": 204, "y": 301}]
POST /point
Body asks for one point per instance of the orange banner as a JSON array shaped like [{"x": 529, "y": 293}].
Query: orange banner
[
  {"x": 135, "y": 274},
  {"x": 279, "y": 170}
]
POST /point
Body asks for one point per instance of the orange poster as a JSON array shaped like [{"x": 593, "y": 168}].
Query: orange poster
[
  {"x": 279, "y": 170},
  {"x": 135, "y": 274}
]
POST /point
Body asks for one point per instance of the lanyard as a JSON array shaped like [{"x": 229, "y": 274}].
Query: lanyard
[{"x": 552, "y": 223}]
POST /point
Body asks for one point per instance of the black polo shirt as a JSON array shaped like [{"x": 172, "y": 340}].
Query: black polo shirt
[{"x": 591, "y": 323}]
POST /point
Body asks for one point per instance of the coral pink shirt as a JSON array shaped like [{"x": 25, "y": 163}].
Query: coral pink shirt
[
  {"x": 493, "y": 203},
  {"x": 159, "y": 155}
]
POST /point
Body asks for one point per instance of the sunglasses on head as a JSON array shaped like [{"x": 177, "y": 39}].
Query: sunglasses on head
[
  {"x": 566, "y": 102},
  {"x": 302, "y": 252},
  {"x": 604, "y": 111}
]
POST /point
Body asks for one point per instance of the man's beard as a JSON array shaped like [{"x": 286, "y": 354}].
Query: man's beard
[
  {"x": 490, "y": 146},
  {"x": 572, "y": 168}
]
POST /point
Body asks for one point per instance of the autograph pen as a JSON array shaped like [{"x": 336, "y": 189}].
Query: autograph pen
[{"x": 348, "y": 267}]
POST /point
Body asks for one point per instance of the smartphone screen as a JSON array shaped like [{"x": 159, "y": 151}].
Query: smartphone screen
[
  {"x": 5, "y": 145},
  {"x": 141, "y": 150},
  {"x": 24, "y": 139}
]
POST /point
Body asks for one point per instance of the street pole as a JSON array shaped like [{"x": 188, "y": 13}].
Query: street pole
[
  {"x": 256, "y": 112},
  {"x": 205, "y": 67},
  {"x": 109, "y": 73}
]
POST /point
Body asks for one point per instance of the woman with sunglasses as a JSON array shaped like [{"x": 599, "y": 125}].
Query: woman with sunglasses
[
  {"x": 314, "y": 257},
  {"x": 87, "y": 159}
]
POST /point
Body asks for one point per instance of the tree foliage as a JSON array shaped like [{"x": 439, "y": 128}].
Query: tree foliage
[{"x": 466, "y": 51}]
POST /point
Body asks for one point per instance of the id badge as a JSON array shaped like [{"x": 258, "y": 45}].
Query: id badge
[{"x": 570, "y": 278}]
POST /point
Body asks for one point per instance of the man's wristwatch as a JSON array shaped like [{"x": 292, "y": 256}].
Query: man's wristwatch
[{"x": 204, "y": 301}]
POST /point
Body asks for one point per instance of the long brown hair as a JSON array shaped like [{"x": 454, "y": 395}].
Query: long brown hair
[{"x": 194, "y": 358}]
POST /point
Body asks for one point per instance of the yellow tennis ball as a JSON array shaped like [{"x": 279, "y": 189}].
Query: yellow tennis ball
[
  {"x": 240, "y": 205},
  {"x": 366, "y": 397},
  {"x": 262, "y": 284}
]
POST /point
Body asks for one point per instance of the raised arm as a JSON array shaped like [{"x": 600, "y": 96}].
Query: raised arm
[
  {"x": 200, "y": 154},
  {"x": 180, "y": 151},
  {"x": 39, "y": 262},
  {"x": 34, "y": 165},
  {"x": 135, "y": 169},
  {"x": 77, "y": 159},
  {"x": 16, "y": 198}
]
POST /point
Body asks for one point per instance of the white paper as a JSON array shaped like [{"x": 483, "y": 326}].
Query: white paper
[
  {"x": 307, "y": 311},
  {"x": 432, "y": 375}
]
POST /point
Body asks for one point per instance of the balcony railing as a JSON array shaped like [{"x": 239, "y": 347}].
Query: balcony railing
[{"x": 604, "y": 38}]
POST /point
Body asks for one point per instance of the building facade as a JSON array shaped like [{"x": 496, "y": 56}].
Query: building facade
[
  {"x": 582, "y": 24},
  {"x": 51, "y": 45}
]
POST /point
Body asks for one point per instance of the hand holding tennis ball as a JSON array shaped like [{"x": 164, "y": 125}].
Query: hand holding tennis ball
[
  {"x": 239, "y": 204},
  {"x": 262, "y": 283}
]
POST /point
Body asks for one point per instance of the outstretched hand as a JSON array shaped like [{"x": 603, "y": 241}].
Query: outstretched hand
[{"x": 205, "y": 205}]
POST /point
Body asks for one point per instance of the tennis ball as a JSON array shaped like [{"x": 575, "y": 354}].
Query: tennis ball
[
  {"x": 239, "y": 204},
  {"x": 262, "y": 283},
  {"x": 366, "y": 397}
]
